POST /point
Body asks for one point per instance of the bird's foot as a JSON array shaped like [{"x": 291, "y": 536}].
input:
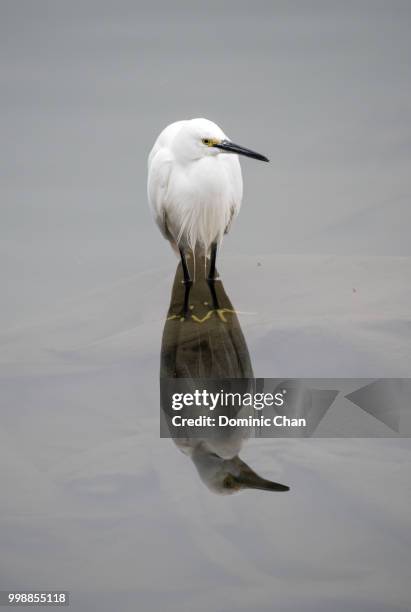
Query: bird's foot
[
  {"x": 178, "y": 317},
  {"x": 219, "y": 312},
  {"x": 183, "y": 315}
]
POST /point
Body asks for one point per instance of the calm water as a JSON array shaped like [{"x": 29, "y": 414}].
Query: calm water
[
  {"x": 317, "y": 268},
  {"x": 96, "y": 503}
]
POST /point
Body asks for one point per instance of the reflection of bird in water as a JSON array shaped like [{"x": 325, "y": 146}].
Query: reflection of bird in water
[
  {"x": 195, "y": 187},
  {"x": 209, "y": 344}
]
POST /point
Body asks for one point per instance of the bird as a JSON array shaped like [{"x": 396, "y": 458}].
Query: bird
[{"x": 195, "y": 188}]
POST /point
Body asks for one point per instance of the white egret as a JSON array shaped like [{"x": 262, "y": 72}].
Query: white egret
[{"x": 195, "y": 187}]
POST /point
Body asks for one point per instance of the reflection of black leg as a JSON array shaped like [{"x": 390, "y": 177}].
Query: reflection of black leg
[
  {"x": 211, "y": 285},
  {"x": 213, "y": 255},
  {"x": 186, "y": 273},
  {"x": 187, "y": 287}
]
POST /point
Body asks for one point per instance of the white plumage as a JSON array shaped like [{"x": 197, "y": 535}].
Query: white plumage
[{"x": 194, "y": 189}]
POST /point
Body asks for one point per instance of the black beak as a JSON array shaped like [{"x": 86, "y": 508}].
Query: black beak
[
  {"x": 248, "y": 479},
  {"x": 230, "y": 147},
  {"x": 253, "y": 481}
]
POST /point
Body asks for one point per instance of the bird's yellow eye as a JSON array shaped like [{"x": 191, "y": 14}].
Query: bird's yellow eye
[{"x": 207, "y": 141}]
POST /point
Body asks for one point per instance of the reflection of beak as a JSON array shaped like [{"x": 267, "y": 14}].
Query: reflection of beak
[
  {"x": 230, "y": 147},
  {"x": 248, "y": 479}
]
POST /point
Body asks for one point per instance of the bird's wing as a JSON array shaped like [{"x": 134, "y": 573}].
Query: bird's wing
[
  {"x": 158, "y": 177},
  {"x": 159, "y": 169},
  {"x": 233, "y": 215},
  {"x": 235, "y": 180}
]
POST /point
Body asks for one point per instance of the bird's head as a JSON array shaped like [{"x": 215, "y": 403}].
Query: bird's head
[
  {"x": 226, "y": 476},
  {"x": 199, "y": 138}
]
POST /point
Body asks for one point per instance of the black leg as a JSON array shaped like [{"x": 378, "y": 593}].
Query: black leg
[
  {"x": 213, "y": 255},
  {"x": 212, "y": 275},
  {"x": 186, "y": 273},
  {"x": 187, "y": 282}
]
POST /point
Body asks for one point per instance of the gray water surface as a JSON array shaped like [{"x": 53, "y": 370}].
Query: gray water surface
[{"x": 317, "y": 266}]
